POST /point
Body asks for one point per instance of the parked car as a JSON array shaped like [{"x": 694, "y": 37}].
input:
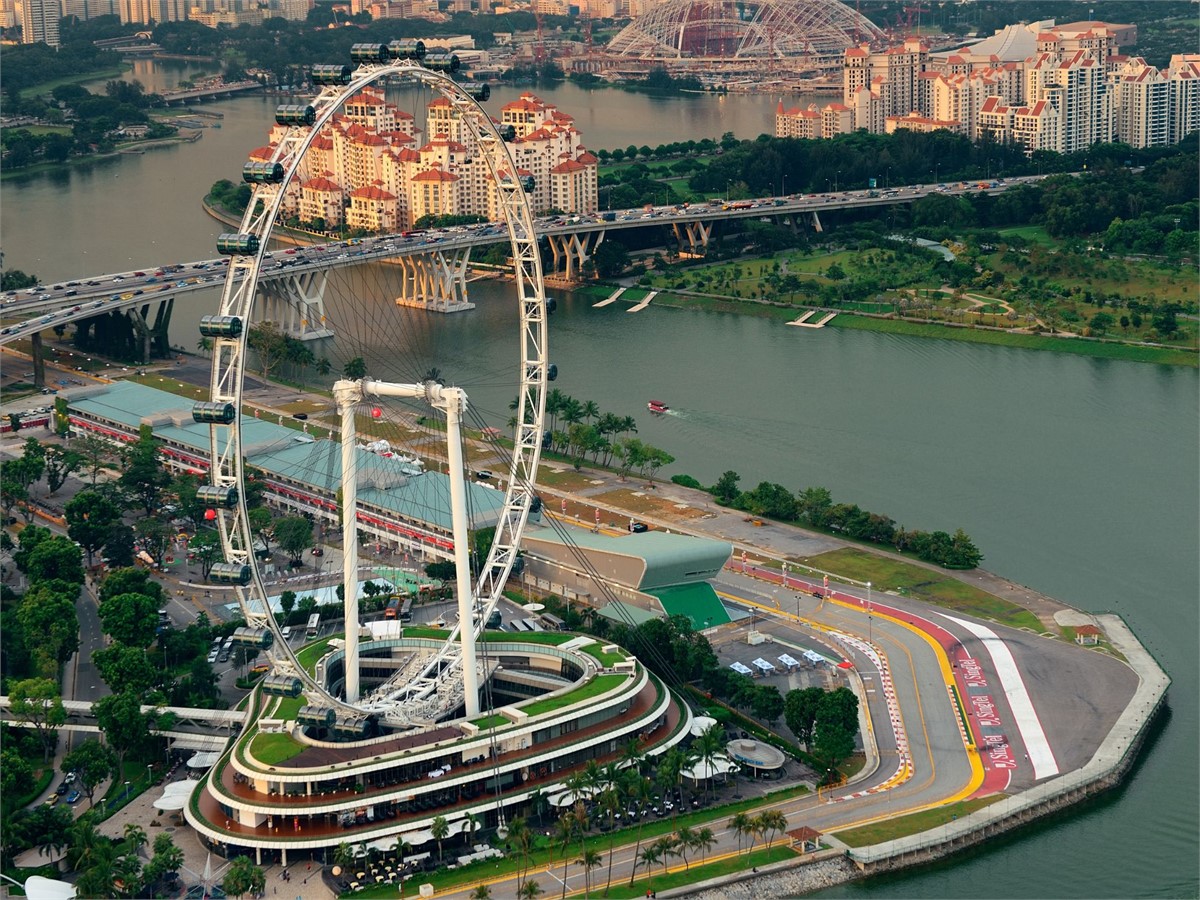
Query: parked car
[{"x": 73, "y": 797}]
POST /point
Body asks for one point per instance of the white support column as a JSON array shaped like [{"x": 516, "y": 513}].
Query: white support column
[
  {"x": 454, "y": 402},
  {"x": 816, "y": 222},
  {"x": 348, "y": 394}
]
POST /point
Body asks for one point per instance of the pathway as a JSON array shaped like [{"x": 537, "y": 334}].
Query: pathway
[
  {"x": 645, "y": 302},
  {"x": 612, "y": 298}
]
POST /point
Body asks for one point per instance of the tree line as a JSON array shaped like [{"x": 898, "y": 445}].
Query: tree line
[{"x": 814, "y": 507}]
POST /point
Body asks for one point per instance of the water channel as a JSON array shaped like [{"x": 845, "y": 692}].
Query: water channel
[{"x": 1076, "y": 476}]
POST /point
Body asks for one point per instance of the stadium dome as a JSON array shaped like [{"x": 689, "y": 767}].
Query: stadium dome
[{"x": 682, "y": 29}]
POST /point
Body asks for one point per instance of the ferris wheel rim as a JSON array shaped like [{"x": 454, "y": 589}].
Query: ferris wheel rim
[{"x": 239, "y": 298}]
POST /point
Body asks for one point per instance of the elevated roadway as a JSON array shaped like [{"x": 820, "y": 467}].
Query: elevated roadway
[{"x": 29, "y": 311}]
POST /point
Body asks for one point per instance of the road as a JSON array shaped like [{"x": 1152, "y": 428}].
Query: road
[{"x": 44, "y": 306}]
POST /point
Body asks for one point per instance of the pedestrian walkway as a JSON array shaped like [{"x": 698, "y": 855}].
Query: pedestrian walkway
[
  {"x": 645, "y": 302},
  {"x": 612, "y": 298}
]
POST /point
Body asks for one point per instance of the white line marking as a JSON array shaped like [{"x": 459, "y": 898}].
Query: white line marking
[{"x": 1034, "y": 738}]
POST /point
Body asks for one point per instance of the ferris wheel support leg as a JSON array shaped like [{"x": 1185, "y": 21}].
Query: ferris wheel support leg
[
  {"x": 454, "y": 402},
  {"x": 347, "y": 394}
]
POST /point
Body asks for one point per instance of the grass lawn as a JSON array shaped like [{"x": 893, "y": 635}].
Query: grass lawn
[
  {"x": 601, "y": 684},
  {"x": 309, "y": 655},
  {"x": 923, "y": 584},
  {"x": 47, "y": 86},
  {"x": 866, "y": 835},
  {"x": 678, "y": 876},
  {"x": 271, "y": 749},
  {"x": 1130, "y": 352},
  {"x": 1035, "y": 234},
  {"x": 493, "y": 721},
  {"x": 605, "y": 659}
]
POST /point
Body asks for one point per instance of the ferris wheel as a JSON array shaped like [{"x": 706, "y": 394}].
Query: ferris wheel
[{"x": 439, "y": 680}]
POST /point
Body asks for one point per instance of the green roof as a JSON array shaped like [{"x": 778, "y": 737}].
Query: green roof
[
  {"x": 670, "y": 558},
  {"x": 699, "y": 602},
  {"x": 626, "y": 613}
]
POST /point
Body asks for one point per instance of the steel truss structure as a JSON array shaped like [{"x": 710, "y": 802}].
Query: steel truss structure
[{"x": 417, "y": 702}]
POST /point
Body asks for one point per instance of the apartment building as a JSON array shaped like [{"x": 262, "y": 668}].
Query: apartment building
[
  {"x": 1141, "y": 97},
  {"x": 369, "y": 157}
]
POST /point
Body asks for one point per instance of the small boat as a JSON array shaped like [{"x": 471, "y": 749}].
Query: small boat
[{"x": 657, "y": 406}]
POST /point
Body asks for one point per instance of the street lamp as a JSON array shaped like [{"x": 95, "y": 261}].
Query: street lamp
[{"x": 868, "y": 612}]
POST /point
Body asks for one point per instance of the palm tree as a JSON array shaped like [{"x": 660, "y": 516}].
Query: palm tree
[
  {"x": 648, "y": 857},
  {"x": 757, "y": 829},
  {"x": 135, "y": 837},
  {"x": 323, "y": 366},
  {"x": 774, "y": 821},
  {"x": 204, "y": 345},
  {"x": 708, "y": 747},
  {"x": 740, "y": 824},
  {"x": 521, "y": 838},
  {"x": 529, "y": 890},
  {"x": 589, "y": 860},
  {"x": 704, "y": 841},
  {"x": 343, "y": 855},
  {"x": 641, "y": 792},
  {"x": 481, "y": 892},
  {"x": 591, "y": 410},
  {"x": 667, "y": 846},
  {"x": 439, "y": 829},
  {"x": 434, "y": 374},
  {"x": 685, "y": 840},
  {"x": 564, "y": 833}
]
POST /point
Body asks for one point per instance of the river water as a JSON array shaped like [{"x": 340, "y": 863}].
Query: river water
[{"x": 1078, "y": 477}]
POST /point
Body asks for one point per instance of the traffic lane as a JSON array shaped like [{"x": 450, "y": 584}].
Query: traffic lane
[
  {"x": 1077, "y": 694},
  {"x": 940, "y": 762}
]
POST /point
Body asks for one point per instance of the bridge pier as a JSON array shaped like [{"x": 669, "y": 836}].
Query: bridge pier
[
  {"x": 816, "y": 222},
  {"x": 695, "y": 234},
  {"x": 39, "y": 364},
  {"x": 297, "y": 304},
  {"x": 142, "y": 329},
  {"x": 571, "y": 251},
  {"x": 435, "y": 281}
]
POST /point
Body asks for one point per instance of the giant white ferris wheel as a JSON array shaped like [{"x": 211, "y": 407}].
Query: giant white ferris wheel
[{"x": 447, "y": 678}]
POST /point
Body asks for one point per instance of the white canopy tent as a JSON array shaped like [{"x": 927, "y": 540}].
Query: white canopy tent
[
  {"x": 175, "y": 795},
  {"x": 38, "y": 887},
  {"x": 701, "y": 724},
  {"x": 704, "y": 769},
  {"x": 203, "y": 760}
]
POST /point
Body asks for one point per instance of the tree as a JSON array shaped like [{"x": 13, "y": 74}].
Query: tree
[
  {"x": 45, "y": 557},
  {"x": 59, "y": 466},
  {"x": 206, "y": 545},
  {"x": 481, "y": 892},
  {"x": 125, "y": 726},
  {"x": 130, "y": 618},
  {"x": 125, "y": 668},
  {"x": 243, "y": 877},
  {"x": 589, "y": 860},
  {"x": 611, "y": 259},
  {"x": 741, "y": 825},
  {"x": 119, "y": 547},
  {"x": 131, "y": 580},
  {"x": 155, "y": 537},
  {"x": 293, "y": 534},
  {"x": 92, "y": 762},
  {"x": 167, "y": 859},
  {"x": 12, "y": 491},
  {"x": 48, "y": 619},
  {"x": 287, "y": 602},
  {"x": 16, "y": 776},
  {"x": 93, "y": 451},
  {"x": 440, "y": 829},
  {"x": 144, "y": 476},
  {"x": 833, "y": 743},
  {"x": 530, "y": 890},
  {"x": 269, "y": 343},
  {"x": 89, "y": 518},
  {"x": 726, "y": 489},
  {"x": 800, "y": 712},
  {"x": 355, "y": 369},
  {"x": 37, "y": 702}
]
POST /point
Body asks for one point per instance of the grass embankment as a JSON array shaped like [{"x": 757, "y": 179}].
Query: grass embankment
[
  {"x": 915, "y": 823},
  {"x": 702, "y": 871},
  {"x": 1079, "y": 346},
  {"x": 272, "y": 749},
  {"x": 919, "y": 583},
  {"x": 46, "y": 87}
]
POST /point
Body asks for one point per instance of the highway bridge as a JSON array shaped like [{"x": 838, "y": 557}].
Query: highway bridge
[{"x": 434, "y": 262}]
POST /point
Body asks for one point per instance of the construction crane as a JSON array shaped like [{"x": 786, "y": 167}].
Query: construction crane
[
  {"x": 539, "y": 46},
  {"x": 912, "y": 13}
]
